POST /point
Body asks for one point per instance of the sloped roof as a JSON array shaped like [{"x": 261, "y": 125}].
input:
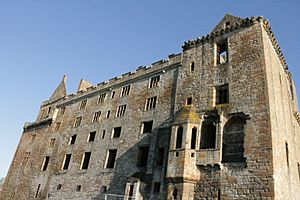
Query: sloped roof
[
  {"x": 187, "y": 115},
  {"x": 61, "y": 90}
]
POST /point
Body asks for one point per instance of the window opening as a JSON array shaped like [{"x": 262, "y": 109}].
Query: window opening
[
  {"x": 72, "y": 139},
  {"x": 143, "y": 156},
  {"x": 179, "y": 137},
  {"x": 86, "y": 160},
  {"x": 57, "y": 126},
  {"x": 147, "y": 126},
  {"x": 103, "y": 134},
  {"x": 160, "y": 156},
  {"x": 104, "y": 189},
  {"x": 77, "y": 122},
  {"x": 194, "y": 138},
  {"x": 154, "y": 81},
  {"x": 125, "y": 91},
  {"x": 83, "y": 104},
  {"x": 130, "y": 193},
  {"x": 92, "y": 136},
  {"x": 156, "y": 188},
  {"x": 111, "y": 158},
  {"x": 113, "y": 94},
  {"x": 189, "y": 101},
  {"x": 208, "y": 135},
  {"x": 287, "y": 154},
  {"x": 66, "y": 162},
  {"x": 33, "y": 138},
  {"x": 151, "y": 103},
  {"x": 96, "y": 116},
  {"x": 121, "y": 111},
  {"x": 52, "y": 142},
  {"x": 37, "y": 191},
  {"x": 78, "y": 188},
  {"x": 101, "y": 98},
  {"x": 108, "y": 114},
  {"x": 59, "y": 187},
  {"x": 117, "y": 132},
  {"x": 222, "y": 52},
  {"x": 222, "y": 94},
  {"x": 45, "y": 163},
  {"x": 192, "y": 66}
]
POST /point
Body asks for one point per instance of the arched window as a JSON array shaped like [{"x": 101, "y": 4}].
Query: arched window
[
  {"x": 179, "y": 137},
  {"x": 233, "y": 140},
  {"x": 194, "y": 138},
  {"x": 208, "y": 135}
]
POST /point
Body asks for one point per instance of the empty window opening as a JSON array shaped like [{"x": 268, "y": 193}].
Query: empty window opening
[
  {"x": 291, "y": 89},
  {"x": 72, "y": 139},
  {"x": 177, "y": 154},
  {"x": 298, "y": 165},
  {"x": 192, "y": 66},
  {"x": 86, "y": 160},
  {"x": 111, "y": 158},
  {"x": 130, "y": 192},
  {"x": 156, "y": 188},
  {"x": 33, "y": 138},
  {"x": 125, "y": 91},
  {"x": 233, "y": 140},
  {"x": 78, "y": 188},
  {"x": 151, "y": 103},
  {"x": 208, "y": 135},
  {"x": 82, "y": 104},
  {"x": 222, "y": 92},
  {"x": 222, "y": 52},
  {"x": 160, "y": 156},
  {"x": 52, "y": 142},
  {"x": 96, "y": 116},
  {"x": 37, "y": 191},
  {"x": 61, "y": 111},
  {"x": 92, "y": 136},
  {"x": 227, "y": 23},
  {"x": 108, "y": 114},
  {"x": 189, "y": 101},
  {"x": 104, "y": 189},
  {"x": 57, "y": 126},
  {"x": 143, "y": 156},
  {"x": 59, "y": 187},
  {"x": 45, "y": 163},
  {"x": 25, "y": 158},
  {"x": 116, "y": 132},
  {"x": 77, "y": 122},
  {"x": 219, "y": 194},
  {"x": 66, "y": 162},
  {"x": 121, "y": 111},
  {"x": 147, "y": 126},
  {"x": 194, "y": 138},
  {"x": 179, "y": 137},
  {"x": 154, "y": 81},
  {"x": 101, "y": 98},
  {"x": 175, "y": 193},
  {"x": 193, "y": 154},
  {"x": 103, "y": 134},
  {"x": 287, "y": 153},
  {"x": 113, "y": 94}
]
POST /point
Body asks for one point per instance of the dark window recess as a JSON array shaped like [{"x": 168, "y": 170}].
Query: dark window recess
[
  {"x": 179, "y": 137},
  {"x": 189, "y": 101},
  {"x": 154, "y": 81},
  {"x": 233, "y": 140},
  {"x": 192, "y": 66},
  {"x": 59, "y": 187},
  {"x": 227, "y": 23},
  {"x": 101, "y": 98},
  {"x": 125, "y": 91},
  {"x": 143, "y": 156},
  {"x": 156, "y": 188},
  {"x": 121, "y": 111},
  {"x": 103, "y": 134},
  {"x": 61, "y": 111},
  {"x": 117, "y": 132},
  {"x": 175, "y": 193},
  {"x": 86, "y": 160},
  {"x": 222, "y": 93},
  {"x": 113, "y": 94},
  {"x": 73, "y": 139},
  {"x": 287, "y": 154},
  {"x": 96, "y": 116},
  {"x": 219, "y": 194},
  {"x": 108, "y": 114},
  {"x": 104, "y": 189},
  {"x": 222, "y": 52},
  {"x": 291, "y": 89},
  {"x": 67, "y": 161},
  {"x": 52, "y": 142},
  {"x": 92, "y": 136},
  {"x": 130, "y": 192},
  {"x": 78, "y": 188},
  {"x": 33, "y": 138},
  {"x": 298, "y": 165},
  {"x": 160, "y": 156},
  {"x": 147, "y": 126},
  {"x": 82, "y": 104},
  {"x": 151, "y": 103},
  {"x": 37, "y": 191},
  {"x": 77, "y": 122},
  {"x": 45, "y": 163},
  {"x": 111, "y": 158},
  {"x": 57, "y": 126},
  {"x": 208, "y": 135},
  {"x": 194, "y": 138}
]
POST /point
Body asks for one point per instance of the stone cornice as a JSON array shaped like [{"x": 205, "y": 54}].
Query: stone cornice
[{"x": 33, "y": 126}]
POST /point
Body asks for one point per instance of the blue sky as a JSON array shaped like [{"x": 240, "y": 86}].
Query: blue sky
[{"x": 40, "y": 41}]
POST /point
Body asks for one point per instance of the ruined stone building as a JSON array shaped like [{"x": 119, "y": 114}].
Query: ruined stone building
[{"x": 219, "y": 120}]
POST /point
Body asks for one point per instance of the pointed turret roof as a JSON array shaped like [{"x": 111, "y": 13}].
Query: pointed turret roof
[
  {"x": 187, "y": 115},
  {"x": 61, "y": 90},
  {"x": 227, "y": 20},
  {"x": 83, "y": 85}
]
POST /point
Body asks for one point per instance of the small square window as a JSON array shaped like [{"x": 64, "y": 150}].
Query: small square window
[
  {"x": 78, "y": 188},
  {"x": 189, "y": 101},
  {"x": 147, "y": 127},
  {"x": 59, "y": 187}
]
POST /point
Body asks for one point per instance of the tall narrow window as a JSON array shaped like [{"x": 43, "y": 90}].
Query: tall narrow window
[
  {"x": 82, "y": 104},
  {"x": 33, "y": 138},
  {"x": 222, "y": 52},
  {"x": 66, "y": 162},
  {"x": 45, "y": 163},
  {"x": 222, "y": 94},
  {"x": 179, "y": 137},
  {"x": 37, "y": 191},
  {"x": 154, "y": 81},
  {"x": 61, "y": 111},
  {"x": 116, "y": 132},
  {"x": 96, "y": 116},
  {"x": 156, "y": 188},
  {"x": 160, "y": 156},
  {"x": 194, "y": 138},
  {"x": 111, "y": 158},
  {"x": 72, "y": 139},
  {"x": 113, "y": 94},
  {"x": 189, "y": 101},
  {"x": 103, "y": 134},
  {"x": 86, "y": 160},
  {"x": 208, "y": 135},
  {"x": 57, "y": 126},
  {"x": 125, "y": 91},
  {"x": 52, "y": 142},
  {"x": 143, "y": 156},
  {"x": 192, "y": 66},
  {"x": 78, "y": 188},
  {"x": 77, "y": 122},
  {"x": 91, "y": 137},
  {"x": 101, "y": 98},
  {"x": 121, "y": 111},
  {"x": 151, "y": 103},
  {"x": 298, "y": 165},
  {"x": 147, "y": 126},
  {"x": 287, "y": 154},
  {"x": 130, "y": 192}
]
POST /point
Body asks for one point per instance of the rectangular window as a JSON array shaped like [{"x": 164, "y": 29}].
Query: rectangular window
[
  {"x": 72, "y": 139},
  {"x": 101, "y": 98},
  {"x": 52, "y": 142},
  {"x": 45, "y": 163},
  {"x": 108, "y": 114},
  {"x": 111, "y": 158},
  {"x": 77, "y": 122},
  {"x": 154, "y": 81},
  {"x": 113, "y": 94},
  {"x": 59, "y": 187},
  {"x": 287, "y": 154},
  {"x": 66, "y": 162},
  {"x": 298, "y": 165},
  {"x": 189, "y": 101},
  {"x": 151, "y": 103},
  {"x": 160, "y": 156},
  {"x": 192, "y": 66},
  {"x": 61, "y": 111},
  {"x": 82, "y": 104},
  {"x": 57, "y": 126},
  {"x": 147, "y": 127},
  {"x": 104, "y": 189},
  {"x": 156, "y": 188},
  {"x": 125, "y": 91},
  {"x": 179, "y": 137},
  {"x": 78, "y": 188},
  {"x": 96, "y": 116},
  {"x": 37, "y": 191},
  {"x": 92, "y": 136},
  {"x": 222, "y": 93},
  {"x": 121, "y": 111},
  {"x": 116, "y": 132},
  {"x": 25, "y": 158},
  {"x": 33, "y": 138},
  {"x": 222, "y": 52},
  {"x": 143, "y": 156},
  {"x": 86, "y": 160},
  {"x": 103, "y": 134}
]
